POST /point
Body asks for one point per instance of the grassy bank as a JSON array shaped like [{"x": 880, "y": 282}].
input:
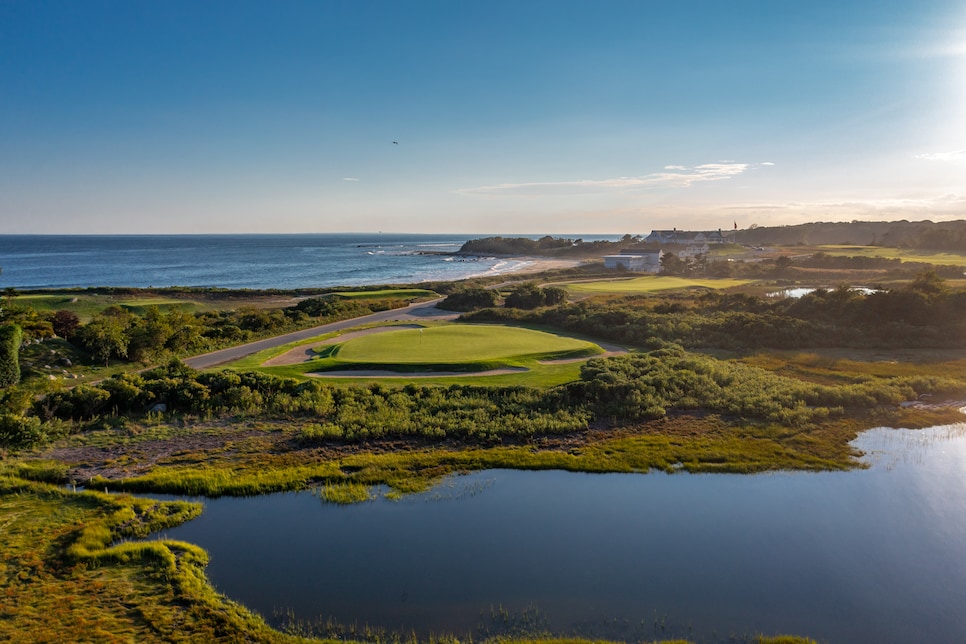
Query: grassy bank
[
  {"x": 648, "y": 284},
  {"x": 62, "y": 578},
  {"x": 250, "y": 456}
]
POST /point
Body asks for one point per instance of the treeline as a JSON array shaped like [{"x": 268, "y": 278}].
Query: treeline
[
  {"x": 927, "y": 235},
  {"x": 925, "y": 314},
  {"x": 615, "y": 390},
  {"x": 333, "y": 413},
  {"x": 546, "y": 246},
  {"x": 804, "y": 267},
  {"x": 522, "y": 296},
  {"x": 156, "y": 335}
]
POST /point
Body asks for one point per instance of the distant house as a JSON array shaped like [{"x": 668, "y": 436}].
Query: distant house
[
  {"x": 694, "y": 250},
  {"x": 686, "y": 237},
  {"x": 636, "y": 261}
]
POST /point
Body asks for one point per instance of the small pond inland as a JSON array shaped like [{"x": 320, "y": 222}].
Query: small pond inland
[{"x": 876, "y": 555}]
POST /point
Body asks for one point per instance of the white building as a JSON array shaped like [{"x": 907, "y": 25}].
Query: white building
[
  {"x": 644, "y": 261},
  {"x": 686, "y": 237},
  {"x": 693, "y": 251}
]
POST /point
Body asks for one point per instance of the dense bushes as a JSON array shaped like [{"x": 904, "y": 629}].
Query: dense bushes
[
  {"x": 469, "y": 299},
  {"x": 436, "y": 412},
  {"x": 622, "y": 389},
  {"x": 531, "y": 296},
  {"x": 924, "y": 315},
  {"x": 21, "y": 431},
  {"x": 647, "y": 386},
  {"x": 352, "y": 413},
  {"x": 10, "y": 338}
]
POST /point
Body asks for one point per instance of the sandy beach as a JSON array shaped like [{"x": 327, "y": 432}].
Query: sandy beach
[{"x": 540, "y": 264}]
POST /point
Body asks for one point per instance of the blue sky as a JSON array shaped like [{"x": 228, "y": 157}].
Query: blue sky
[{"x": 510, "y": 117}]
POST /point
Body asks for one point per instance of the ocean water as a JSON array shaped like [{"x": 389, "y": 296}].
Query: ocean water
[{"x": 237, "y": 261}]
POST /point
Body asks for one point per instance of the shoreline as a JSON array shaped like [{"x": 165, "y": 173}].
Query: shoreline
[
  {"x": 527, "y": 265},
  {"x": 505, "y": 266}
]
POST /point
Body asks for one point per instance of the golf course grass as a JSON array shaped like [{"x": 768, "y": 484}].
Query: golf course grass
[
  {"x": 906, "y": 255},
  {"x": 442, "y": 354},
  {"x": 647, "y": 284},
  {"x": 459, "y": 344}
]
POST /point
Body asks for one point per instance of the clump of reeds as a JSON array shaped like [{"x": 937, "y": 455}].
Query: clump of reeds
[{"x": 344, "y": 493}]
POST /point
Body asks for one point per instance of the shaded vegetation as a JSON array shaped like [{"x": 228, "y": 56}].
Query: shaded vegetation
[
  {"x": 946, "y": 235},
  {"x": 923, "y": 314}
]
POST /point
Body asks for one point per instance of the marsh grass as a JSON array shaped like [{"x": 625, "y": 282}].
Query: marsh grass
[
  {"x": 61, "y": 578},
  {"x": 838, "y": 366},
  {"x": 705, "y": 444},
  {"x": 344, "y": 493}
]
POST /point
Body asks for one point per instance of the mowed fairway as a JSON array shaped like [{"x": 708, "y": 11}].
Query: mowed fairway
[
  {"x": 906, "y": 255},
  {"x": 457, "y": 344},
  {"x": 648, "y": 284}
]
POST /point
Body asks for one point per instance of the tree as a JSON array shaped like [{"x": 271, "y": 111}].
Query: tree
[
  {"x": 65, "y": 323},
  {"x": 10, "y": 338},
  {"x": 929, "y": 283},
  {"x": 105, "y": 337},
  {"x": 782, "y": 263},
  {"x": 673, "y": 265},
  {"x": 525, "y": 296},
  {"x": 553, "y": 295}
]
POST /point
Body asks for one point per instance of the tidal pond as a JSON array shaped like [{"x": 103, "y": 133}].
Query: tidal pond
[{"x": 874, "y": 555}]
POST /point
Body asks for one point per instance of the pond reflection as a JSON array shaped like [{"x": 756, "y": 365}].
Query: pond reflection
[{"x": 864, "y": 556}]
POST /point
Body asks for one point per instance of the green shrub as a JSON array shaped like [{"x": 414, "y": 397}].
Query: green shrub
[
  {"x": 21, "y": 431},
  {"x": 11, "y": 336}
]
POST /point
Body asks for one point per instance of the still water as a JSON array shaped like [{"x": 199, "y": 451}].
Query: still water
[{"x": 875, "y": 555}]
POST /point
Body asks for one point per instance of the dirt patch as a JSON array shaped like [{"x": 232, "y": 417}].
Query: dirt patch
[
  {"x": 270, "y": 444},
  {"x": 135, "y": 459},
  {"x": 305, "y": 353}
]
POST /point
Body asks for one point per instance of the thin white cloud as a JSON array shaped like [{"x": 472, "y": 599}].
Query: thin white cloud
[
  {"x": 937, "y": 206},
  {"x": 673, "y": 176},
  {"x": 956, "y": 155},
  {"x": 766, "y": 163},
  {"x": 350, "y": 179}
]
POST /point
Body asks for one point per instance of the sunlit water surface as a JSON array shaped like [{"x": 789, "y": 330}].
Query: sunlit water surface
[{"x": 875, "y": 555}]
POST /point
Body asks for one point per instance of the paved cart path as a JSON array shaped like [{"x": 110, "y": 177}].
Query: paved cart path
[{"x": 418, "y": 311}]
